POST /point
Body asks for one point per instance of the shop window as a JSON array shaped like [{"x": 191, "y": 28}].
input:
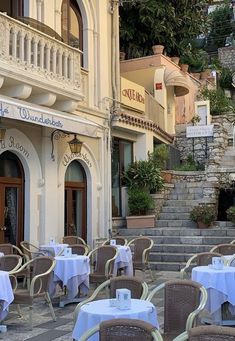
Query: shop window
[{"x": 122, "y": 156}]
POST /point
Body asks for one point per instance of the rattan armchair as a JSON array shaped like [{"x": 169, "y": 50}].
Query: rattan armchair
[
  {"x": 224, "y": 249},
  {"x": 10, "y": 263},
  {"x": 183, "y": 301},
  {"x": 10, "y": 249},
  {"x": 102, "y": 261},
  {"x": 119, "y": 241},
  {"x": 141, "y": 247},
  {"x": 138, "y": 288},
  {"x": 208, "y": 333},
  {"x": 203, "y": 258},
  {"x": 125, "y": 330},
  {"x": 41, "y": 272},
  {"x": 73, "y": 240},
  {"x": 31, "y": 251},
  {"x": 79, "y": 249}
]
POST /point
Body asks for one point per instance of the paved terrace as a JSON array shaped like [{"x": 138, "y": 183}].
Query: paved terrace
[{"x": 45, "y": 329}]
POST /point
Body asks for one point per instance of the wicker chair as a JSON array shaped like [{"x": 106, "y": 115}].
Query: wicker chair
[
  {"x": 79, "y": 249},
  {"x": 73, "y": 240},
  {"x": 208, "y": 333},
  {"x": 10, "y": 249},
  {"x": 10, "y": 263},
  {"x": 203, "y": 258},
  {"x": 141, "y": 247},
  {"x": 224, "y": 249},
  {"x": 31, "y": 251},
  {"x": 183, "y": 301},
  {"x": 102, "y": 261},
  {"x": 119, "y": 241},
  {"x": 41, "y": 275},
  {"x": 138, "y": 288},
  {"x": 124, "y": 329}
]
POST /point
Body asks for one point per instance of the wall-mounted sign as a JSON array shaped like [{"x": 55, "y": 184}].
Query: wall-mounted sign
[
  {"x": 200, "y": 131},
  {"x": 12, "y": 143},
  {"x": 132, "y": 94},
  {"x": 158, "y": 86}
]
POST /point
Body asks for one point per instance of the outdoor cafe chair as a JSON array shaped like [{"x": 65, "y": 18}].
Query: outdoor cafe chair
[
  {"x": 141, "y": 247},
  {"x": 101, "y": 261},
  {"x": 41, "y": 272},
  {"x": 125, "y": 330},
  {"x": 200, "y": 259},
  {"x": 79, "y": 249},
  {"x": 10, "y": 249},
  {"x": 31, "y": 251},
  {"x": 10, "y": 263},
  {"x": 224, "y": 249},
  {"x": 138, "y": 288},
  {"x": 119, "y": 241},
  {"x": 208, "y": 333},
  {"x": 183, "y": 301},
  {"x": 73, "y": 240}
]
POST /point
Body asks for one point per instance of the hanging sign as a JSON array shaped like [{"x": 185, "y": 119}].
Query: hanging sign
[{"x": 200, "y": 131}]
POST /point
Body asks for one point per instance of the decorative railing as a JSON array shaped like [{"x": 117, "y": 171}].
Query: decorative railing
[
  {"x": 153, "y": 110},
  {"x": 38, "y": 54}
]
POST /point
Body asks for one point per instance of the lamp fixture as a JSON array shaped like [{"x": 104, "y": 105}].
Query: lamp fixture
[
  {"x": 2, "y": 131},
  {"x": 75, "y": 144}
]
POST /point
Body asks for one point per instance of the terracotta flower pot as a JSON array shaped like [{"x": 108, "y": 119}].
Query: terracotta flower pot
[
  {"x": 157, "y": 49},
  {"x": 196, "y": 75},
  {"x": 175, "y": 60},
  {"x": 202, "y": 225},
  {"x": 184, "y": 67},
  {"x": 122, "y": 55}
]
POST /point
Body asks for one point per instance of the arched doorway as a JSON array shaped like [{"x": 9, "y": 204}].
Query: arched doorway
[
  {"x": 11, "y": 199},
  {"x": 75, "y": 201}
]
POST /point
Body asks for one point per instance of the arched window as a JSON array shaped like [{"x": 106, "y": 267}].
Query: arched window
[
  {"x": 71, "y": 24},
  {"x": 13, "y": 8}
]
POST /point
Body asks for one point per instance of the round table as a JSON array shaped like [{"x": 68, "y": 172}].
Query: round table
[
  {"x": 123, "y": 260},
  {"x": 220, "y": 286},
  {"x": 6, "y": 294},
  {"x": 95, "y": 312},
  {"x": 73, "y": 272},
  {"x": 54, "y": 249}
]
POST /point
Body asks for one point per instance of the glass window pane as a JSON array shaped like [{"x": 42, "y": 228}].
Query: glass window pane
[
  {"x": 9, "y": 165},
  {"x": 74, "y": 172}
]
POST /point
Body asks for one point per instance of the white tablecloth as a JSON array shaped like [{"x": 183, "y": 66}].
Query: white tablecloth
[
  {"x": 123, "y": 260},
  {"x": 95, "y": 312},
  {"x": 220, "y": 285},
  {"x": 73, "y": 272},
  {"x": 54, "y": 249},
  {"x": 6, "y": 294}
]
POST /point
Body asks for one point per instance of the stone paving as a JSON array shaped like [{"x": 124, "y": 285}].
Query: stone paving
[{"x": 45, "y": 329}]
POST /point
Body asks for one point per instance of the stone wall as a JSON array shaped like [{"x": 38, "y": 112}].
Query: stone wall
[{"x": 227, "y": 57}]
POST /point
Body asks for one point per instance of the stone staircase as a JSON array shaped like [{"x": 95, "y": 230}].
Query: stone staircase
[{"x": 176, "y": 238}]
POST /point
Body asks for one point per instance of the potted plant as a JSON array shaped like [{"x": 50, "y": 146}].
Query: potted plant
[
  {"x": 141, "y": 177},
  {"x": 204, "y": 215},
  {"x": 231, "y": 214}
]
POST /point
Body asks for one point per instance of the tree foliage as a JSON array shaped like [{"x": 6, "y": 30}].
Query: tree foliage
[{"x": 172, "y": 23}]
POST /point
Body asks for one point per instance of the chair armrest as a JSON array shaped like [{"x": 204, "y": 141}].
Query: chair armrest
[
  {"x": 89, "y": 333},
  {"x": 35, "y": 278},
  {"x": 145, "y": 291},
  {"x": 107, "y": 265},
  {"x": 13, "y": 277},
  {"x": 189, "y": 261},
  {"x": 146, "y": 253},
  {"x": 154, "y": 291},
  {"x": 193, "y": 314},
  {"x": 181, "y": 337}
]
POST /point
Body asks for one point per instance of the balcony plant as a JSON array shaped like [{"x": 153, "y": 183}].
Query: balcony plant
[
  {"x": 204, "y": 215},
  {"x": 231, "y": 214},
  {"x": 141, "y": 177}
]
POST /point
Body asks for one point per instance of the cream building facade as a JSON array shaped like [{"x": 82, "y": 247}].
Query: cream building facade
[{"x": 56, "y": 63}]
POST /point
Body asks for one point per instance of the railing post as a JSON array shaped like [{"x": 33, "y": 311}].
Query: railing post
[
  {"x": 65, "y": 65},
  {"x": 48, "y": 57},
  {"x": 35, "y": 52},
  {"x": 28, "y": 49},
  {"x": 14, "y": 43},
  {"x": 21, "y": 52},
  {"x": 41, "y": 57},
  {"x": 60, "y": 56},
  {"x": 54, "y": 53}
]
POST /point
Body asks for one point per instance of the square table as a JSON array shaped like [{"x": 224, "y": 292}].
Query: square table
[
  {"x": 73, "y": 272},
  {"x": 6, "y": 295},
  {"x": 93, "y": 313},
  {"x": 220, "y": 285}
]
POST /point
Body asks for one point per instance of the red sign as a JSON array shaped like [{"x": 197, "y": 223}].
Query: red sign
[{"x": 158, "y": 86}]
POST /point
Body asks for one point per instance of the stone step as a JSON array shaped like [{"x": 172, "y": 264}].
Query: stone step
[
  {"x": 192, "y": 240},
  {"x": 169, "y": 257},
  {"x": 190, "y": 190},
  {"x": 162, "y": 266},
  {"x": 185, "y": 196},
  {"x": 176, "y": 203},
  {"x": 175, "y": 223},
  {"x": 180, "y": 248},
  {"x": 174, "y": 216},
  {"x": 173, "y": 209}
]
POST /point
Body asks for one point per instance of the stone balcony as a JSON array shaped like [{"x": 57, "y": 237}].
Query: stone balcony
[{"x": 38, "y": 68}]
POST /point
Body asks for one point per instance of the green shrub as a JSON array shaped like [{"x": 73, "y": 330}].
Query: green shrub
[
  {"x": 159, "y": 156},
  {"x": 203, "y": 213},
  {"x": 231, "y": 214},
  {"x": 139, "y": 202},
  {"x": 189, "y": 165},
  {"x": 219, "y": 103}
]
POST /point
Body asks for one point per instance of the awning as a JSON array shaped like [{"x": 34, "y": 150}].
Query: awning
[
  {"x": 26, "y": 112},
  {"x": 178, "y": 79}
]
